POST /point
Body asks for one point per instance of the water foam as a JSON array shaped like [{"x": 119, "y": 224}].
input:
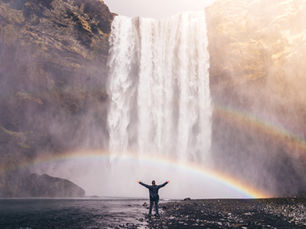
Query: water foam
[{"x": 159, "y": 86}]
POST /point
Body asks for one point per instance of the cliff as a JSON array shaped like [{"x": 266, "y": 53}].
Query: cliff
[
  {"x": 52, "y": 75},
  {"x": 52, "y": 82},
  {"x": 257, "y": 74}
]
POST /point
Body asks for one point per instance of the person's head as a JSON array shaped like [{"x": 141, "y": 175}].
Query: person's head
[{"x": 153, "y": 182}]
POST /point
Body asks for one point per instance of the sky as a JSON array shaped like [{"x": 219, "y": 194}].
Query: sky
[{"x": 155, "y": 8}]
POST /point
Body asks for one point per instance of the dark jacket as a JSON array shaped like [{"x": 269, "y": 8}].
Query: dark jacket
[{"x": 153, "y": 189}]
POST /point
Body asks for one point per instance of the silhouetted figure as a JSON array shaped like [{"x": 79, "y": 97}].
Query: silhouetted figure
[{"x": 154, "y": 197}]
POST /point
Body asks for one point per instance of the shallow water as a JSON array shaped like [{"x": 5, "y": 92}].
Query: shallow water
[
  {"x": 73, "y": 213},
  {"x": 120, "y": 213}
]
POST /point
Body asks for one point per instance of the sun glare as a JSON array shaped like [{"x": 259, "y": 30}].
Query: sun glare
[{"x": 156, "y": 8}]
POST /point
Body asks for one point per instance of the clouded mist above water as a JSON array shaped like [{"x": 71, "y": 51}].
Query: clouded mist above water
[{"x": 105, "y": 177}]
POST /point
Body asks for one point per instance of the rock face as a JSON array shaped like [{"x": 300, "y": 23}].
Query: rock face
[
  {"x": 52, "y": 76},
  {"x": 40, "y": 186},
  {"x": 257, "y": 73}
]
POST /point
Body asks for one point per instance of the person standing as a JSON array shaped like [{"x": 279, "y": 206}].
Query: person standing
[{"x": 154, "y": 197}]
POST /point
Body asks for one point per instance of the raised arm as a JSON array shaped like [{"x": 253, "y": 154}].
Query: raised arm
[
  {"x": 162, "y": 185},
  {"x": 145, "y": 185}
]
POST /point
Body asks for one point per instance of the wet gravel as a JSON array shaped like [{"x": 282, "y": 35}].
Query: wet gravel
[
  {"x": 132, "y": 214},
  {"x": 268, "y": 213}
]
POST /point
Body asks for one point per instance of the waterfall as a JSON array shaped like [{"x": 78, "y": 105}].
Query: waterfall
[{"x": 159, "y": 87}]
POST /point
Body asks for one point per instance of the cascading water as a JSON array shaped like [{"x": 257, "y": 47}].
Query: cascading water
[
  {"x": 159, "y": 87},
  {"x": 159, "y": 114}
]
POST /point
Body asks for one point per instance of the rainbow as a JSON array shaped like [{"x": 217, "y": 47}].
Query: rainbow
[
  {"x": 239, "y": 118},
  {"x": 215, "y": 175},
  {"x": 230, "y": 115}
]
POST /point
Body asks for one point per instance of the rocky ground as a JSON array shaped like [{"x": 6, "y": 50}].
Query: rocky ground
[
  {"x": 270, "y": 213},
  {"x": 132, "y": 214}
]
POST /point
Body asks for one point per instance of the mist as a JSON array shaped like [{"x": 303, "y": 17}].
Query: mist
[
  {"x": 259, "y": 120},
  {"x": 54, "y": 97},
  {"x": 118, "y": 178}
]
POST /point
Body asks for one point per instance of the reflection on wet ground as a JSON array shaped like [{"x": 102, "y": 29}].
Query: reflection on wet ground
[
  {"x": 96, "y": 214},
  {"x": 89, "y": 214}
]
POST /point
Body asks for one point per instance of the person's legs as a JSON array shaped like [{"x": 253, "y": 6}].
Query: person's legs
[
  {"x": 151, "y": 206},
  {"x": 156, "y": 207}
]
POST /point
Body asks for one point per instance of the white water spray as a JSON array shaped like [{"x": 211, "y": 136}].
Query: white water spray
[
  {"x": 159, "y": 87},
  {"x": 159, "y": 107}
]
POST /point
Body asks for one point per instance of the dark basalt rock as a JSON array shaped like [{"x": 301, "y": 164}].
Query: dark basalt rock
[
  {"x": 34, "y": 185},
  {"x": 48, "y": 186}
]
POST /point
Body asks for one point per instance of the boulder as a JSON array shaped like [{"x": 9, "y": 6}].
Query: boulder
[{"x": 44, "y": 185}]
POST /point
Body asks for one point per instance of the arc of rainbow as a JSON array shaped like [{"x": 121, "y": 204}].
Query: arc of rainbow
[
  {"x": 234, "y": 116},
  {"x": 215, "y": 175}
]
